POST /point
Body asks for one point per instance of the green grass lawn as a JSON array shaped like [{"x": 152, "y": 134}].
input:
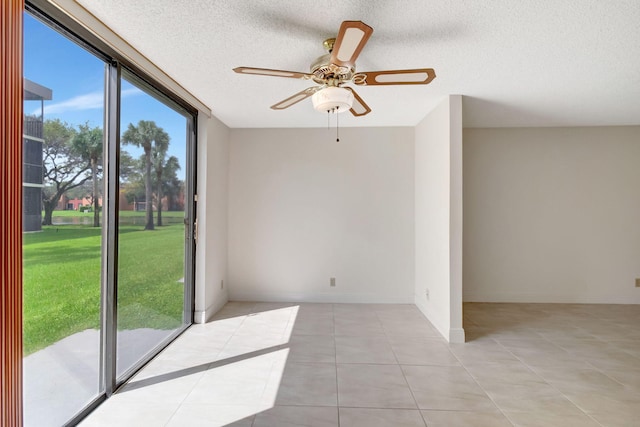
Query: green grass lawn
[
  {"x": 62, "y": 267},
  {"x": 127, "y": 214}
]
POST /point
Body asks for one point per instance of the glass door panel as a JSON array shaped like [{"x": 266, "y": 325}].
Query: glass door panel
[
  {"x": 151, "y": 236},
  {"x": 62, "y": 212}
]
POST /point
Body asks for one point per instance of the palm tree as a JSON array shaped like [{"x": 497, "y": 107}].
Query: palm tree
[
  {"x": 87, "y": 143},
  {"x": 159, "y": 154},
  {"x": 146, "y": 135}
]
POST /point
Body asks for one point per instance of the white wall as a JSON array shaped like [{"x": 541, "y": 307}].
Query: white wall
[
  {"x": 552, "y": 215},
  {"x": 212, "y": 188},
  {"x": 304, "y": 208},
  {"x": 438, "y": 217}
]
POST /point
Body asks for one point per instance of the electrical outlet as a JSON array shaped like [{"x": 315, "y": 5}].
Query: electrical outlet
[
  {"x": 426, "y": 292},
  {"x": 637, "y": 283},
  {"x": 332, "y": 282},
  {"x": 221, "y": 284}
]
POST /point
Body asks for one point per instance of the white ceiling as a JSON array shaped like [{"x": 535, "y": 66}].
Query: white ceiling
[{"x": 518, "y": 63}]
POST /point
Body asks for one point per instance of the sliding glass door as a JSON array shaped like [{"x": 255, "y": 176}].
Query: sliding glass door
[
  {"x": 151, "y": 244},
  {"x": 108, "y": 213}
]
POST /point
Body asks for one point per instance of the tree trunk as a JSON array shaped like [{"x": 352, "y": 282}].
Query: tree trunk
[
  {"x": 147, "y": 185},
  {"x": 49, "y": 206},
  {"x": 159, "y": 192},
  {"x": 96, "y": 207}
]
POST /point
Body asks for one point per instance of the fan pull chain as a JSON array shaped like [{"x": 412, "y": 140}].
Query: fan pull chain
[
  {"x": 335, "y": 112},
  {"x": 337, "y": 125}
]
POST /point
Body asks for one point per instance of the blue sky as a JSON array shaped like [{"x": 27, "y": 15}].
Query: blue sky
[{"x": 76, "y": 78}]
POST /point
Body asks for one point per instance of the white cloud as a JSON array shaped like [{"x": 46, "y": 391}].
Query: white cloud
[
  {"x": 88, "y": 101},
  {"x": 130, "y": 92}
]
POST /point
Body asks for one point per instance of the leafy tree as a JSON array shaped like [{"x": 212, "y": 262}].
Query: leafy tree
[
  {"x": 146, "y": 135},
  {"x": 164, "y": 169},
  {"x": 132, "y": 177},
  {"x": 87, "y": 142},
  {"x": 171, "y": 185},
  {"x": 128, "y": 166},
  {"x": 133, "y": 191},
  {"x": 63, "y": 167}
]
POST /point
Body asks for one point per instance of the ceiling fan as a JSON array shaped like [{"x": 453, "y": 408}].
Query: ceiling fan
[{"x": 335, "y": 69}]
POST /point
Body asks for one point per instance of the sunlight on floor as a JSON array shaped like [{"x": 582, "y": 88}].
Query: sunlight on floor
[
  {"x": 228, "y": 369},
  {"x": 234, "y": 391}
]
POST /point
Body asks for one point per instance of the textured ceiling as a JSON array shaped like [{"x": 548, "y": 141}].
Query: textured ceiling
[{"x": 518, "y": 63}]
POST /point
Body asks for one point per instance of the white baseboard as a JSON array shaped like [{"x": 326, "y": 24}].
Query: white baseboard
[
  {"x": 203, "y": 316},
  {"x": 456, "y": 335},
  {"x": 423, "y": 308},
  {"x": 452, "y": 335},
  {"x": 320, "y": 297},
  {"x": 533, "y": 298}
]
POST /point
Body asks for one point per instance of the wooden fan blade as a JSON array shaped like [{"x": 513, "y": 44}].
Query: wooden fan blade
[
  {"x": 294, "y": 99},
  {"x": 359, "y": 107},
  {"x": 352, "y": 37},
  {"x": 419, "y": 76},
  {"x": 274, "y": 73}
]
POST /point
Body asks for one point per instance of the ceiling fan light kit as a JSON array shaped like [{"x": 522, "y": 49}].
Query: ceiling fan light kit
[
  {"x": 332, "y": 99},
  {"x": 337, "y": 68}
]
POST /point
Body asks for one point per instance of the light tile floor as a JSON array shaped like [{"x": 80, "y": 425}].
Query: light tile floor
[{"x": 264, "y": 364}]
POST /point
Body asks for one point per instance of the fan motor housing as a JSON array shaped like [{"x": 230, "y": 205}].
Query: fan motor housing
[{"x": 327, "y": 73}]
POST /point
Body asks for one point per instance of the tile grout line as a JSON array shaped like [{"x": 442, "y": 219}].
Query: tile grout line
[
  {"x": 415, "y": 401},
  {"x": 555, "y": 388},
  {"x": 335, "y": 360},
  {"x": 482, "y": 388},
  {"x": 207, "y": 369},
  {"x": 544, "y": 380}
]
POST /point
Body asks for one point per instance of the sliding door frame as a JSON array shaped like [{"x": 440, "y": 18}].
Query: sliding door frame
[{"x": 111, "y": 170}]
